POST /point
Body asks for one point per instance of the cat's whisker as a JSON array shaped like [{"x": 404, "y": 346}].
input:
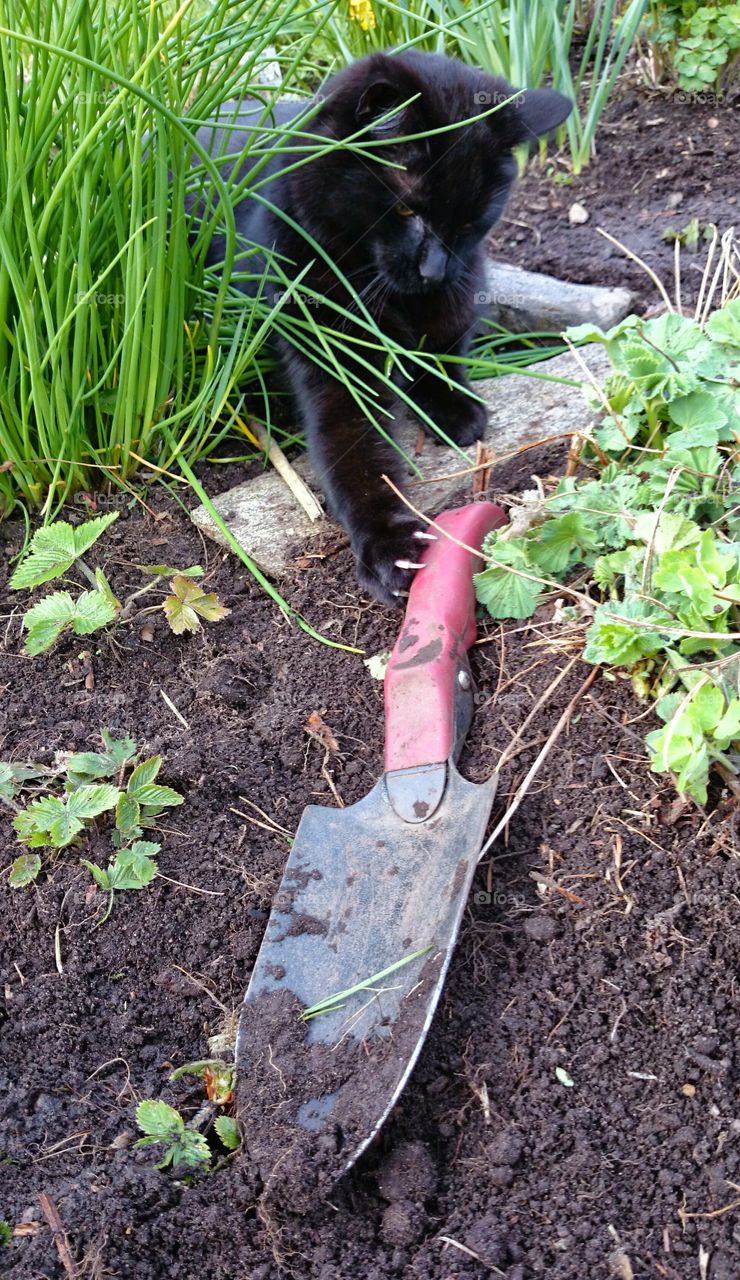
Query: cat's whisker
[
  {"x": 422, "y": 535},
  {"x": 409, "y": 564}
]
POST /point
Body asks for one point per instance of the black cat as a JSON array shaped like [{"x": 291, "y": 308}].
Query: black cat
[{"x": 411, "y": 241}]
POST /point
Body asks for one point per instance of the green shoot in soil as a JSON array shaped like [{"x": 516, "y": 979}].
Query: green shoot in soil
[
  {"x": 657, "y": 530},
  {"x": 163, "y": 1124}
]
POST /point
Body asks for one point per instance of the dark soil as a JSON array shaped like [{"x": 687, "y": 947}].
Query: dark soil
[
  {"x": 661, "y": 160},
  {"x": 574, "y": 1113}
]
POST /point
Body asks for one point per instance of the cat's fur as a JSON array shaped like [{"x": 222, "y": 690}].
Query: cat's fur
[{"x": 419, "y": 273}]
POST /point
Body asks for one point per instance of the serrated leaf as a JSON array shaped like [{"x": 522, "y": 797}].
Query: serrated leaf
[
  {"x": 618, "y": 636},
  {"x": 90, "y": 764},
  {"x": 132, "y": 869},
  {"x": 54, "y": 549},
  {"x": 24, "y": 870},
  {"x": 504, "y": 592},
  {"x": 154, "y": 796},
  {"x": 559, "y": 542},
  {"x": 39, "y": 815},
  {"x": 121, "y": 750},
  {"x": 228, "y": 1131},
  {"x": 159, "y": 1119},
  {"x": 724, "y": 326},
  {"x": 99, "y": 874},
  {"x": 727, "y": 729},
  {"x": 106, "y": 590},
  {"x": 92, "y": 611},
  {"x": 64, "y": 829},
  {"x": 143, "y": 774},
  {"x": 698, "y": 409},
  {"x": 91, "y": 800},
  {"x": 666, "y": 532},
  {"x": 128, "y": 813},
  {"x": 189, "y": 602}
]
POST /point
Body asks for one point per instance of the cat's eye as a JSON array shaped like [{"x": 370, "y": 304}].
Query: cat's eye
[
  {"x": 403, "y": 211},
  {"x": 466, "y": 229}
]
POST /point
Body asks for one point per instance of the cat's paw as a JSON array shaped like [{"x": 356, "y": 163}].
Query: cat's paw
[
  {"x": 462, "y": 419},
  {"x": 389, "y": 558}
]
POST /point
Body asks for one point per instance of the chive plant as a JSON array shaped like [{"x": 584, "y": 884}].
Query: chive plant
[{"x": 117, "y": 345}]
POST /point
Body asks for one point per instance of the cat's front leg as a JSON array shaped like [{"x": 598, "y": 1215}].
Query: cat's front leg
[
  {"x": 350, "y": 458},
  {"x": 445, "y": 400}
]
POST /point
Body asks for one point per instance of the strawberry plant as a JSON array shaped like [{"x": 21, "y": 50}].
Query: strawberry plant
[
  {"x": 57, "y": 548},
  {"x": 654, "y": 526},
  {"x": 76, "y": 794}
]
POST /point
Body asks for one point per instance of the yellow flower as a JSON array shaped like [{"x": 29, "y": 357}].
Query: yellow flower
[{"x": 362, "y": 11}]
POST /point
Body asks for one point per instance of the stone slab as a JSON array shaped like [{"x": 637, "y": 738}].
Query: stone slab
[
  {"x": 274, "y": 530},
  {"x": 528, "y": 302}
]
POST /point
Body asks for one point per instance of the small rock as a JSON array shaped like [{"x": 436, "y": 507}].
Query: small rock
[
  {"x": 147, "y": 633},
  {"x": 577, "y": 215},
  {"x": 712, "y": 122},
  {"x": 674, "y": 199}
]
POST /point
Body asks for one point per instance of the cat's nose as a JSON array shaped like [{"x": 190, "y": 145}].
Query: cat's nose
[{"x": 433, "y": 262}]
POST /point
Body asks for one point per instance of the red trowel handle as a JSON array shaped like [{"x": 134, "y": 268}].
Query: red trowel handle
[{"x": 430, "y": 654}]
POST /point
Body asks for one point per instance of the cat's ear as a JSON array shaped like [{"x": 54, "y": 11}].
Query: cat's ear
[
  {"x": 535, "y": 112},
  {"x": 378, "y": 99}
]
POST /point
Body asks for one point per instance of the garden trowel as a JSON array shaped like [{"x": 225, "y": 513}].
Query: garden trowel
[{"x": 365, "y": 920}]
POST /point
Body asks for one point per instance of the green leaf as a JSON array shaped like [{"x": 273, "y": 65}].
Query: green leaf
[
  {"x": 608, "y": 569},
  {"x": 133, "y": 869},
  {"x": 64, "y": 829},
  {"x": 724, "y": 326},
  {"x": 89, "y": 801},
  {"x": 158, "y": 797},
  {"x": 54, "y": 549},
  {"x": 618, "y": 636},
  {"x": 143, "y": 774},
  {"x": 121, "y": 750},
  {"x": 699, "y": 409},
  {"x": 39, "y": 815},
  {"x": 159, "y": 1120},
  {"x": 666, "y": 532},
  {"x": 46, "y": 620},
  {"x": 504, "y": 593},
  {"x": 559, "y": 542},
  {"x": 727, "y": 729},
  {"x": 24, "y": 870},
  {"x": 92, "y": 611},
  {"x": 228, "y": 1131},
  {"x": 90, "y": 764},
  {"x": 128, "y": 814},
  {"x": 99, "y": 875},
  {"x": 192, "y": 1150},
  {"x": 106, "y": 590}
]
